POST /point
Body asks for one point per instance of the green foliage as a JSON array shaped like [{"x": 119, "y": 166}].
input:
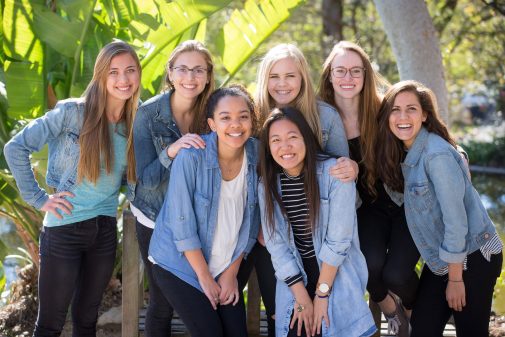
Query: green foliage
[
  {"x": 49, "y": 49},
  {"x": 486, "y": 153}
]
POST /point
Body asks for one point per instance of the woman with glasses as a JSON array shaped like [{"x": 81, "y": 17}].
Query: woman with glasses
[
  {"x": 349, "y": 83},
  {"x": 165, "y": 124}
]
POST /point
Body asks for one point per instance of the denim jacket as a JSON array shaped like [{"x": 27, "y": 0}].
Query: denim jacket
[
  {"x": 334, "y": 138},
  {"x": 60, "y": 129},
  {"x": 188, "y": 217},
  {"x": 335, "y": 243},
  {"x": 153, "y": 131},
  {"x": 444, "y": 212}
]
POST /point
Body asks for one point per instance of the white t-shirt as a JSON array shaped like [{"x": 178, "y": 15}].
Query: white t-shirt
[{"x": 232, "y": 201}]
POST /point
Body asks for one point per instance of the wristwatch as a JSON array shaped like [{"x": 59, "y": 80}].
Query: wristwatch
[{"x": 324, "y": 289}]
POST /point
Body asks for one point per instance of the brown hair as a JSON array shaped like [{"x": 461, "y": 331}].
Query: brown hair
[
  {"x": 199, "y": 123},
  {"x": 94, "y": 140},
  {"x": 369, "y": 103},
  {"x": 268, "y": 168},
  {"x": 389, "y": 148},
  {"x": 305, "y": 102}
]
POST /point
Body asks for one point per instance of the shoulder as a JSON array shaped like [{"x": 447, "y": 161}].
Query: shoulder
[
  {"x": 70, "y": 105},
  {"x": 153, "y": 102},
  {"x": 436, "y": 144},
  {"x": 327, "y": 113}
]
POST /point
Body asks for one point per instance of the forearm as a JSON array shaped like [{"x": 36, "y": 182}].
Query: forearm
[
  {"x": 327, "y": 274},
  {"x": 232, "y": 270},
  {"x": 455, "y": 272},
  {"x": 197, "y": 261},
  {"x": 300, "y": 293}
]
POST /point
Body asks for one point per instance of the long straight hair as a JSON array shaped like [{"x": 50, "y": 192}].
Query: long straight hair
[
  {"x": 369, "y": 103},
  {"x": 95, "y": 140},
  {"x": 305, "y": 102},
  {"x": 391, "y": 149},
  {"x": 269, "y": 169},
  {"x": 199, "y": 123}
]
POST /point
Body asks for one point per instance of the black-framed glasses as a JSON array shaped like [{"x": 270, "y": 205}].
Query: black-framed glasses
[
  {"x": 183, "y": 71},
  {"x": 340, "y": 72}
]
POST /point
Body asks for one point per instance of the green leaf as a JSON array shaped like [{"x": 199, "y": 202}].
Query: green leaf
[
  {"x": 175, "y": 18},
  {"x": 25, "y": 89},
  {"x": 3, "y": 251},
  {"x": 249, "y": 27},
  {"x": 20, "y": 42},
  {"x": 3, "y": 279},
  {"x": 56, "y": 31}
]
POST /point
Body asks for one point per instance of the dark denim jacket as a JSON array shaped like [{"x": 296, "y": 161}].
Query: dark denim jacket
[{"x": 153, "y": 131}]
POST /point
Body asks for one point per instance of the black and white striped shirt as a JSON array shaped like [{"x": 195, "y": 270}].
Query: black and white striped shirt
[{"x": 295, "y": 203}]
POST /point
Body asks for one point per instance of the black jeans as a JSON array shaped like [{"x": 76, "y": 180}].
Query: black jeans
[
  {"x": 159, "y": 312},
  {"x": 431, "y": 311},
  {"x": 390, "y": 252},
  {"x": 195, "y": 310},
  {"x": 76, "y": 263},
  {"x": 260, "y": 259}
]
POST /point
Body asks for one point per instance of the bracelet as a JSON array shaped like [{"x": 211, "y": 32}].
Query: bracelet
[
  {"x": 455, "y": 280},
  {"x": 323, "y": 296}
]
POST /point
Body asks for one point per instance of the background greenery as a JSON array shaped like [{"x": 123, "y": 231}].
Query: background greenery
[{"x": 48, "y": 49}]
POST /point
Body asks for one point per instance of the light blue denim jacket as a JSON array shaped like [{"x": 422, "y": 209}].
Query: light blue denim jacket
[
  {"x": 153, "y": 131},
  {"x": 188, "y": 217},
  {"x": 334, "y": 138},
  {"x": 444, "y": 212},
  {"x": 336, "y": 243},
  {"x": 60, "y": 129}
]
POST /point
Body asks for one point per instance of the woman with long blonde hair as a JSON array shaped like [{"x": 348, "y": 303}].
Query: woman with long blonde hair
[{"x": 90, "y": 144}]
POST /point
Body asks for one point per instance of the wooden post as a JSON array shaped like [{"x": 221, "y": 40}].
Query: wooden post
[
  {"x": 376, "y": 313},
  {"x": 253, "y": 305},
  {"x": 131, "y": 278}
]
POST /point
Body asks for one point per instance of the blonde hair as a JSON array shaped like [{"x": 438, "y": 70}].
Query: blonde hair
[
  {"x": 305, "y": 101},
  {"x": 94, "y": 140},
  {"x": 369, "y": 103},
  {"x": 199, "y": 124}
]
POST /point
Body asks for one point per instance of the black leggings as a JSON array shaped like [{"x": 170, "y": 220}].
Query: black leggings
[
  {"x": 76, "y": 262},
  {"x": 391, "y": 254},
  {"x": 431, "y": 311},
  {"x": 195, "y": 310},
  {"x": 260, "y": 259},
  {"x": 159, "y": 311}
]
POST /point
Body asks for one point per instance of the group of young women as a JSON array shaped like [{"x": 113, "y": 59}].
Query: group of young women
[{"x": 221, "y": 183}]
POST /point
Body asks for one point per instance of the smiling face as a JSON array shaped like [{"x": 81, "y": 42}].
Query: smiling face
[
  {"x": 232, "y": 121},
  {"x": 188, "y": 85},
  {"x": 123, "y": 78},
  {"x": 284, "y": 82},
  {"x": 406, "y": 117},
  {"x": 287, "y": 146},
  {"x": 347, "y": 87}
]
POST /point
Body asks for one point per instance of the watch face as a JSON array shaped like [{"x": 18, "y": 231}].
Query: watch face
[{"x": 324, "y": 288}]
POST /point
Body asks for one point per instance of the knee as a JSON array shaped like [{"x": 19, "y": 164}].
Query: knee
[{"x": 394, "y": 277}]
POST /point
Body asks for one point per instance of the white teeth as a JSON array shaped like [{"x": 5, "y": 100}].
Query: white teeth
[
  {"x": 283, "y": 92},
  {"x": 189, "y": 86},
  {"x": 123, "y": 88},
  {"x": 287, "y": 156},
  {"x": 404, "y": 126},
  {"x": 235, "y": 134},
  {"x": 347, "y": 86}
]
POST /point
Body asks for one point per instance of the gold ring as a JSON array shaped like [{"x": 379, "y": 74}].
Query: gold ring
[{"x": 300, "y": 308}]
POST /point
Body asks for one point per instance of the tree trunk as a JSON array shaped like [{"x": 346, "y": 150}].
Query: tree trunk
[
  {"x": 415, "y": 45},
  {"x": 331, "y": 12}
]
